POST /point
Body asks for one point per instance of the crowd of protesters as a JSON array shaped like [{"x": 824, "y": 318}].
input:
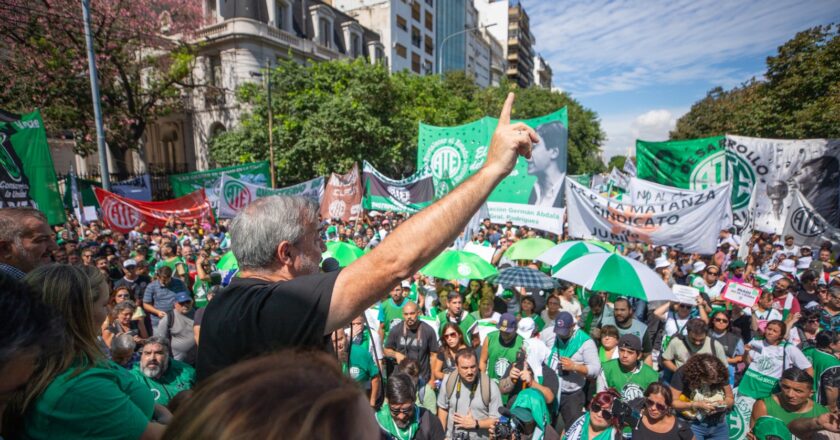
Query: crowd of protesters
[{"x": 143, "y": 335}]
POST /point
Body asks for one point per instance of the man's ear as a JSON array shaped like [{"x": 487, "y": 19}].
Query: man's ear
[
  {"x": 284, "y": 252},
  {"x": 5, "y": 248}
]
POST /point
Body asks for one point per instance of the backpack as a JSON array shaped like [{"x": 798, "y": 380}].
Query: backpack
[{"x": 483, "y": 385}]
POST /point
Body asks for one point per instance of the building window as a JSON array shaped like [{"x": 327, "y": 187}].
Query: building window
[
  {"x": 415, "y": 11},
  {"x": 402, "y": 24},
  {"x": 415, "y": 62},
  {"x": 280, "y": 11},
  {"x": 430, "y": 3},
  {"x": 430, "y": 46},
  {"x": 429, "y": 21},
  {"x": 416, "y": 40},
  {"x": 325, "y": 32},
  {"x": 215, "y": 71},
  {"x": 210, "y": 11},
  {"x": 427, "y": 67},
  {"x": 400, "y": 49},
  {"x": 356, "y": 45}
]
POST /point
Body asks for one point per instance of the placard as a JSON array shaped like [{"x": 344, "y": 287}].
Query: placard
[
  {"x": 686, "y": 294},
  {"x": 740, "y": 293}
]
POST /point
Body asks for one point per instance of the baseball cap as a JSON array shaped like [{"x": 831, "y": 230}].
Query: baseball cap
[
  {"x": 770, "y": 427},
  {"x": 563, "y": 324},
  {"x": 183, "y": 297},
  {"x": 131, "y": 262},
  {"x": 522, "y": 414},
  {"x": 525, "y": 327},
  {"x": 630, "y": 341},
  {"x": 698, "y": 267},
  {"x": 737, "y": 264},
  {"x": 662, "y": 262},
  {"x": 507, "y": 323},
  {"x": 405, "y": 284}
]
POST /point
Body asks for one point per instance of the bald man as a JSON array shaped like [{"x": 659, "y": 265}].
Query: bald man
[{"x": 412, "y": 339}]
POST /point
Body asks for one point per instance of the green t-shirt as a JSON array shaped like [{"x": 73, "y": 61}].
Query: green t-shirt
[
  {"x": 178, "y": 377},
  {"x": 390, "y": 314},
  {"x": 200, "y": 289},
  {"x": 499, "y": 357},
  {"x": 826, "y": 366},
  {"x": 539, "y": 323},
  {"x": 173, "y": 264},
  {"x": 776, "y": 410},
  {"x": 362, "y": 366},
  {"x": 104, "y": 401},
  {"x": 631, "y": 385},
  {"x": 466, "y": 325}
]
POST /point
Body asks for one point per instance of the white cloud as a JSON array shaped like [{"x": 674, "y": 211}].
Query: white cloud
[
  {"x": 624, "y": 129},
  {"x": 603, "y": 46}
]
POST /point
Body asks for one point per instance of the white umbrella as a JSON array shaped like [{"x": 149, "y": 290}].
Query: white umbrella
[{"x": 617, "y": 274}]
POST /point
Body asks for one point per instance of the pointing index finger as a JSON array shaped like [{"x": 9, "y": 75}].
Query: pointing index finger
[{"x": 504, "y": 117}]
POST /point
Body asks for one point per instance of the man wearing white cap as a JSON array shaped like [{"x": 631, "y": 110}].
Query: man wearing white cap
[
  {"x": 710, "y": 284},
  {"x": 663, "y": 267},
  {"x": 696, "y": 271},
  {"x": 135, "y": 282}
]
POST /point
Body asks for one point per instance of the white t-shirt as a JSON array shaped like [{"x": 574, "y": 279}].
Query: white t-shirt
[
  {"x": 573, "y": 307},
  {"x": 674, "y": 324},
  {"x": 714, "y": 291},
  {"x": 771, "y": 356}
]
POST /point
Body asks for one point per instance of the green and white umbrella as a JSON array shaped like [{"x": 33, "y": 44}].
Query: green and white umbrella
[
  {"x": 617, "y": 274},
  {"x": 458, "y": 265},
  {"x": 227, "y": 262},
  {"x": 528, "y": 249},
  {"x": 568, "y": 251},
  {"x": 345, "y": 253}
]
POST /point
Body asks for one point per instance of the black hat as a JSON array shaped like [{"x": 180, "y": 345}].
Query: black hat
[{"x": 630, "y": 341}]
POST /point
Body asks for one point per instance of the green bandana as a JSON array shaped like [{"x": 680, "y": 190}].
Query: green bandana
[
  {"x": 566, "y": 349},
  {"x": 386, "y": 421}
]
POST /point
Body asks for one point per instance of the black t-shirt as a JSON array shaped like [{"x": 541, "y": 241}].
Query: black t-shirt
[
  {"x": 414, "y": 344},
  {"x": 136, "y": 287},
  {"x": 252, "y": 316},
  {"x": 805, "y": 298},
  {"x": 680, "y": 431}
]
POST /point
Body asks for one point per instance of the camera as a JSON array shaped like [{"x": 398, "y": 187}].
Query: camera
[
  {"x": 623, "y": 413},
  {"x": 460, "y": 435},
  {"x": 508, "y": 426}
]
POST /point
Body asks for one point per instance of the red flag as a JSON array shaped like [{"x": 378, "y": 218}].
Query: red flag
[
  {"x": 123, "y": 215},
  {"x": 343, "y": 196}
]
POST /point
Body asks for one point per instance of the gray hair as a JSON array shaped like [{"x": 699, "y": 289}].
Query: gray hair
[
  {"x": 125, "y": 305},
  {"x": 123, "y": 343},
  {"x": 159, "y": 340},
  {"x": 258, "y": 229},
  {"x": 11, "y": 222}
]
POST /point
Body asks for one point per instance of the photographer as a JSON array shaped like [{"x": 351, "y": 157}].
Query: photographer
[
  {"x": 468, "y": 403},
  {"x": 527, "y": 419},
  {"x": 400, "y": 418}
]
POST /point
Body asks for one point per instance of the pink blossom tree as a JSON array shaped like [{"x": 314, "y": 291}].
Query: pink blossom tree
[{"x": 143, "y": 57}]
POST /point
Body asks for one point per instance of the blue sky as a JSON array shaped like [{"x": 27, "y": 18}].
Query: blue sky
[{"x": 641, "y": 65}]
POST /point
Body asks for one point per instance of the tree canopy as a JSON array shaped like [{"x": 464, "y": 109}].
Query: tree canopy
[
  {"x": 329, "y": 115},
  {"x": 798, "y": 98}
]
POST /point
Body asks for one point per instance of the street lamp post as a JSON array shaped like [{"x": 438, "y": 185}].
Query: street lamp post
[
  {"x": 442, "y": 43},
  {"x": 94, "y": 92},
  {"x": 270, "y": 125}
]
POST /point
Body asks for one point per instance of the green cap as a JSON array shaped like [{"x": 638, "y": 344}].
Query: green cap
[
  {"x": 767, "y": 428},
  {"x": 737, "y": 264}
]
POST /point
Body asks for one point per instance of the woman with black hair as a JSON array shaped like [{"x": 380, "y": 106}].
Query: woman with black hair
[
  {"x": 804, "y": 332},
  {"x": 657, "y": 416},
  {"x": 702, "y": 396},
  {"x": 600, "y": 422},
  {"x": 826, "y": 367},
  {"x": 766, "y": 358},
  {"x": 733, "y": 345}
]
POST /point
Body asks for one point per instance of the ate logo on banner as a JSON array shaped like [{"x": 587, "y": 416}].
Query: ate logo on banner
[
  {"x": 400, "y": 194},
  {"x": 725, "y": 166},
  {"x": 236, "y": 195},
  {"x": 806, "y": 223},
  {"x": 447, "y": 159},
  {"x": 120, "y": 214}
]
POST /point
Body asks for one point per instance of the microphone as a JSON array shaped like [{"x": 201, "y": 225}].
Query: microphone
[{"x": 330, "y": 265}]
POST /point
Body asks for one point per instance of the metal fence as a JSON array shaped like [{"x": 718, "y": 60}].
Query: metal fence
[{"x": 161, "y": 189}]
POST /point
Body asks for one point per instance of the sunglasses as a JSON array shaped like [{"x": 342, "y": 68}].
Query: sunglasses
[
  {"x": 450, "y": 335},
  {"x": 122, "y": 295},
  {"x": 684, "y": 306},
  {"x": 722, "y": 320},
  {"x": 659, "y": 407},
  {"x": 596, "y": 408},
  {"x": 813, "y": 320},
  {"x": 712, "y": 273},
  {"x": 395, "y": 411}
]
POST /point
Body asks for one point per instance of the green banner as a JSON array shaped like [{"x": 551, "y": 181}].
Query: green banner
[
  {"x": 531, "y": 195},
  {"x": 681, "y": 164},
  {"x": 256, "y": 173},
  {"x": 29, "y": 141},
  {"x": 85, "y": 187},
  {"x": 583, "y": 179}
]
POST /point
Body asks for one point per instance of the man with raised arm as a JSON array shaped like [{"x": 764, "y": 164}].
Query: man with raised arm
[{"x": 281, "y": 300}]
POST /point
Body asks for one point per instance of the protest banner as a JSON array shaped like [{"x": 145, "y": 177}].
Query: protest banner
[
  {"x": 234, "y": 195},
  {"x": 640, "y": 191},
  {"x": 685, "y": 294},
  {"x": 690, "y": 224},
  {"x": 28, "y": 175},
  {"x": 123, "y": 215},
  {"x": 618, "y": 179},
  {"x": 311, "y": 189},
  {"x": 740, "y": 293},
  {"x": 343, "y": 196},
  {"x": 256, "y": 173},
  {"x": 485, "y": 252},
  {"x": 531, "y": 195},
  {"x": 137, "y": 188},
  {"x": 768, "y": 168},
  {"x": 629, "y": 168},
  {"x": 806, "y": 225},
  {"x": 408, "y": 195}
]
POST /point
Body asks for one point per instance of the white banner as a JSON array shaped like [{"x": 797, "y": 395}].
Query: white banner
[
  {"x": 690, "y": 224},
  {"x": 619, "y": 179},
  {"x": 234, "y": 195},
  {"x": 545, "y": 218},
  {"x": 778, "y": 168},
  {"x": 629, "y": 167},
  {"x": 138, "y": 188},
  {"x": 643, "y": 192}
]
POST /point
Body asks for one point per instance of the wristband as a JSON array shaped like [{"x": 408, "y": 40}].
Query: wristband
[{"x": 476, "y": 424}]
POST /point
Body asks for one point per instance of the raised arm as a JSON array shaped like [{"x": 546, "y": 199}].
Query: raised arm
[{"x": 425, "y": 235}]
